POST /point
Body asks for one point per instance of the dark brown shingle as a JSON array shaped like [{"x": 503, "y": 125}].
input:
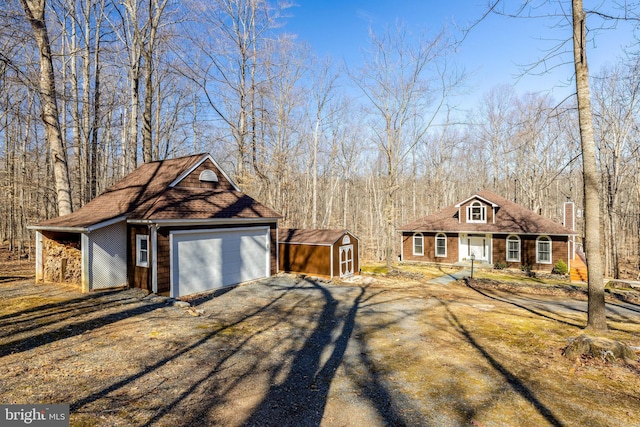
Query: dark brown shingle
[
  {"x": 145, "y": 194},
  {"x": 310, "y": 236},
  {"x": 510, "y": 218}
]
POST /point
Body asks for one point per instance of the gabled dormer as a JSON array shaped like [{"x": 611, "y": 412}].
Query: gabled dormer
[
  {"x": 477, "y": 210},
  {"x": 206, "y": 173}
]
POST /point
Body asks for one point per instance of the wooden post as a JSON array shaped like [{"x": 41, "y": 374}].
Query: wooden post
[{"x": 63, "y": 269}]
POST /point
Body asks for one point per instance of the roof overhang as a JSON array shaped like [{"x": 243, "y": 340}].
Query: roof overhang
[
  {"x": 58, "y": 229},
  {"x": 519, "y": 233},
  {"x": 321, "y": 243},
  {"x": 199, "y": 221},
  {"x": 85, "y": 229},
  {"x": 306, "y": 243}
]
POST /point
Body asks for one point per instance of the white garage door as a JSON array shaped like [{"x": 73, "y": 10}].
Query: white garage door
[{"x": 210, "y": 259}]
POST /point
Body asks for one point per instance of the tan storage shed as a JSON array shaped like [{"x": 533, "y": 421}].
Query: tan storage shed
[{"x": 331, "y": 253}]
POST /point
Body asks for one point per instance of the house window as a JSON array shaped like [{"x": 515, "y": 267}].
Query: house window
[
  {"x": 543, "y": 250},
  {"x": 441, "y": 245},
  {"x": 208, "y": 175},
  {"x": 346, "y": 240},
  {"x": 418, "y": 244},
  {"x": 142, "y": 250},
  {"x": 476, "y": 212},
  {"x": 513, "y": 249}
]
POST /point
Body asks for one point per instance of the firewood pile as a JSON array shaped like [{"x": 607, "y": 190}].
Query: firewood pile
[{"x": 62, "y": 262}]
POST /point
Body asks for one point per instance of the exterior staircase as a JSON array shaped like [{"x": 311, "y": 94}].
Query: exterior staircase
[{"x": 578, "y": 271}]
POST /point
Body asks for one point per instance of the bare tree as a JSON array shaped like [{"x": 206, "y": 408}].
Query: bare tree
[
  {"x": 596, "y": 319},
  {"x": 616, "y": 107},
  {"x": 155, "y": 12},
  {"x": 577, "y": 19},
  {"x": 229, "y": 37},
  {"x": 404, "y": 81},
  {"x": 322, "y": 92},
  {"x": 35, "y": 13}
]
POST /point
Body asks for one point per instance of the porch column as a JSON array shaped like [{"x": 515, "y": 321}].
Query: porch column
[
  {"x": 84, "y": 251},
  {"x": 154, "y": 258},
  {"x": 39, "y": 264}
]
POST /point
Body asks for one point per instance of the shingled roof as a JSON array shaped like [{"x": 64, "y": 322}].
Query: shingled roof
[
  {"x": 510, "y": 218},
  {"x": 147, "y": 194},
  {"x": 310, "y": 236}
]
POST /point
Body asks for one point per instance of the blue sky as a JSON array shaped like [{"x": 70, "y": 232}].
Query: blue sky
[{"x": 493, "y": 53}]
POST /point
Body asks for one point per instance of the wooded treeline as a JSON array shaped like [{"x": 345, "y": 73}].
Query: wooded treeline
[{"x": 366, "y": 148}]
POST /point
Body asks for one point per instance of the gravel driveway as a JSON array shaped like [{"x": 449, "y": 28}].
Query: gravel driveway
[{"x": 285, "y": 351}]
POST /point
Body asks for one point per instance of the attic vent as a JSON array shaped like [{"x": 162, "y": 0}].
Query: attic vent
[
  {"x": 208, "y": 176},
  {"x": 346, "y": 240}
]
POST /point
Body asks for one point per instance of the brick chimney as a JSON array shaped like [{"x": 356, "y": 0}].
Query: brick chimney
[{"x": 569, "y": 220}]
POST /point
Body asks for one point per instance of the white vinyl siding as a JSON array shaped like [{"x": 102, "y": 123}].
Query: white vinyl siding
[{"x": 107, "y": 257}]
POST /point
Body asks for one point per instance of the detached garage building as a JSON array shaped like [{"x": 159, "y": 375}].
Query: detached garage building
[
  {"x": 172, "y": 227},
  {"x": 332, "y": 253}
]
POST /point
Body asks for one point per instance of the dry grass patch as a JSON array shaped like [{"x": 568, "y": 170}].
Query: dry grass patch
[
  {"x": 479, "y": 361},
  {"x": 423, "y": 271}
]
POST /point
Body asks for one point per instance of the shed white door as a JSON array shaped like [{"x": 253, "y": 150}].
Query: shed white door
[
  {"x": 205, "y": 260},
  {"x": 346, "y": 260}
]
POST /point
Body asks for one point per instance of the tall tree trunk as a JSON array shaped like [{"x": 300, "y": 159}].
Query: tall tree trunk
[
  {"x": 596, "y": 319},
  {"x": 147, "y": 137},
  {"x": 93, "y": 155},
  {"x": 34, "y": 11}
]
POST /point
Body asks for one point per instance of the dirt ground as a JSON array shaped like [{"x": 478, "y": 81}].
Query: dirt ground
[{"x": 294, "y": 351}]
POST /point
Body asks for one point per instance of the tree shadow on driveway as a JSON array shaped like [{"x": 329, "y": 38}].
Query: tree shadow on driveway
[{"x": 301, "y": 398}]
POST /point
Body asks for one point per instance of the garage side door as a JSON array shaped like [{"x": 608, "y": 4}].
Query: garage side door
[{"x": 206, "y": 260}]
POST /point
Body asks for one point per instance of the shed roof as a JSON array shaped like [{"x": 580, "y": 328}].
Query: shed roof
[
  {"x": 151, "y": 192},
  {"x": 510, "y": 218},
  {"x": 310, "y": 236}
]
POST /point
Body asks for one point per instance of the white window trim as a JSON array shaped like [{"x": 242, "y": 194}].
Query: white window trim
[
  {"x": 550, "y": 242},
  {"x": 441, "y": 235},
  {"x": 421, "y": 237},
  {"x": 517, "y": 239},
  {"x": 139, "y": 239},
  {"x": 483, "y": 212}
]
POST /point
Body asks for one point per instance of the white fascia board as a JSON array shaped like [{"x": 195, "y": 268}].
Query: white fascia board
[
  {"x": 308, "y": 243},
  {"x": 83, "y": 230},
  {"x": 518, "y": 233},
  {"x": 197, "y": 164},
  {"x": 59, "y": 229},
  {"x": 209, "y": 221},
  {"x": 140, "y": 221},
  {"x": 105, "y": 223},
  {"x": 475, "y": 196},
  {"x": 354, "y": 236}
]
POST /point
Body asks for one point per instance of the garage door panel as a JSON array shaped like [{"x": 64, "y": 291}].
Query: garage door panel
[{"x": 210, "y": 260}]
